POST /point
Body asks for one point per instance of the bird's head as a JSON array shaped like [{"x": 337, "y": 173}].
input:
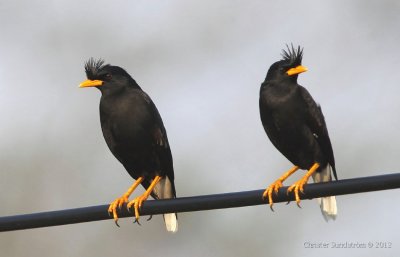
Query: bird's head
[
  {"x": 106, "y": 77},
  {"x": 289, "y": 67}
]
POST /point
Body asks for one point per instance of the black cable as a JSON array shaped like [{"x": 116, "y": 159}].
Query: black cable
[{"x": 199, "y": 203}]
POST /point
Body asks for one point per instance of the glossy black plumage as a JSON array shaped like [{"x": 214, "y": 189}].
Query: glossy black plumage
[
  {"x": 131, "y": 124},
  {"x": 291, "y": 118},
  {"x": 133, "y": 130},
  {"x": 296, "y": 126}
]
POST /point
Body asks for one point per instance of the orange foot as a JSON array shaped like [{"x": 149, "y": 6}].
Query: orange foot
[
  {"x": 117, "y": 203},
  {"x": 274, "y": 187},
  {"x": 138, "y": 201},
  {"x": 298, "y": 186}
]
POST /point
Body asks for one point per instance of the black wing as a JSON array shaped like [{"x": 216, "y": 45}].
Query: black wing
[
  {"x": 161, "y": 144},
  {"x": 316, "y": 122}
]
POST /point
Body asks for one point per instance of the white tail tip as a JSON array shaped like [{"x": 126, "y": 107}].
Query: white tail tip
[
  {"x": 171, "y": 222},
  {"x": 163, "y": 190},
  {"x": 327, "y": 204},
  {"x": 328, "y": 207}
]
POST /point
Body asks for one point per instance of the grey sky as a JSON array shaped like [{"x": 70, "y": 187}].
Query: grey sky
[{"x": 202, "y": 62}]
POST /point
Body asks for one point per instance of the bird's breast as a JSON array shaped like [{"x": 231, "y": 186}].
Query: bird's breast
[
  {"x": 125, "y": 123},
  {"x": 277, "y": 97},
  {"x": 281, "y": 111}
]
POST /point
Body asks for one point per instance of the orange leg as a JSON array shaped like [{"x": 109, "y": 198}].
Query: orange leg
[
  {"x": 138, "y": 201},
  {"x": 117, "y": 203},
  {"x": 274, "y": 187},
  {"x": 299, "y": 185}
]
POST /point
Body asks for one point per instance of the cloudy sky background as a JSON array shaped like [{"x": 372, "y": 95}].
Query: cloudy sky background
[{"x": 202, "y": 63}]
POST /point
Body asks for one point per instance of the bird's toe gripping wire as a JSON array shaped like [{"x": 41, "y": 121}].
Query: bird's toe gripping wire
[
  {"x": 274, "y": 187},
  {"x": 117, "y": 203},
  {"x": 298, "y": 186},
  {"x": 138, "y": 201}
]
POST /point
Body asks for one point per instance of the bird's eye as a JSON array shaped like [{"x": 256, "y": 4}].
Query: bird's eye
[{"x": 108, "y": 76}]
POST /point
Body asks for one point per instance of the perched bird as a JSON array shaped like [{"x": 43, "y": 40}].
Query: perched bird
[
  {"x": 296, "y": 127},
  {"x": 135, "y": 134}
]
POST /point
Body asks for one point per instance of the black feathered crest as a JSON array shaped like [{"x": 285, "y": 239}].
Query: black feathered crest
[
  {"x": 92, "y": 67},
  {"x": 293, "y": 56}
]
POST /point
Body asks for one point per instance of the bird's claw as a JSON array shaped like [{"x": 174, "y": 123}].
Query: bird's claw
[
  {"x": 117, "y": 204},
  {"x": 137, "y": 204},
  {"x": 273, "y": 188},
  {"x": 297, "y": 187},
  {"x": 137, "y": 221}
]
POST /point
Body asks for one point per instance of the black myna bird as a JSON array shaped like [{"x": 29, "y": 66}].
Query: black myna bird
[
  {"x": 296, "y": 126},
  {"x": 135, "y": 134}
]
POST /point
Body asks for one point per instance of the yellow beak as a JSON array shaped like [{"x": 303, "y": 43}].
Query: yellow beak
[
  {"x": 91, "y": 83},
  {"x": 297, "y": 70}
]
